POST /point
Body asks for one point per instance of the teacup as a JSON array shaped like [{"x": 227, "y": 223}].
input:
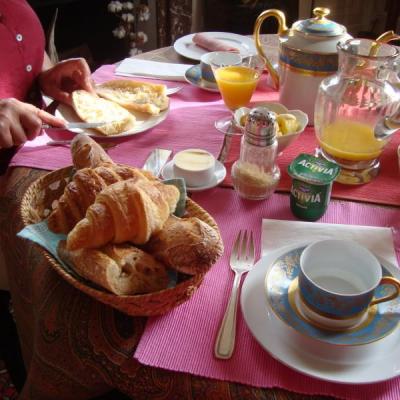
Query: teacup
[
  {"x": 205, "y": 68},
  {"x": 337, "y": 280},
  {"x": 195, "y": 166},
  {"x": 221, "y": 57}
]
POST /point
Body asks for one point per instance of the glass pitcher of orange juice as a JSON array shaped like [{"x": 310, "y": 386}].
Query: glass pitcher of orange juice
[{"x": 351, "y": 103}]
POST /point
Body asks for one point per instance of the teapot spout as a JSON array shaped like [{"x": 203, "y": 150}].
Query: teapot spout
[{"x": 386, "y": 127}]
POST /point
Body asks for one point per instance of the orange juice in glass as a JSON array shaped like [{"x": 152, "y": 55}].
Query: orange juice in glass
[
  {"x": 350, "y": 140},
  {"x": 236, "y": 84},
  {"x": 237, "y": 77},
  {"x": 353, "y": 145}
]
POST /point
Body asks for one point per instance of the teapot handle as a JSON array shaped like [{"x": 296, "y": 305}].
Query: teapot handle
[{"x": 282, "y": 28}]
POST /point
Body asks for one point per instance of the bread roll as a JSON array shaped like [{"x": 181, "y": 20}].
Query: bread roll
[
  {"x": 91, "y": 108},
  {"x": 188, "y": 245},
  {"x": 122, "y": 269},
  {"x": 135, "y": 96},
  {"x": 86, "y": 153}
]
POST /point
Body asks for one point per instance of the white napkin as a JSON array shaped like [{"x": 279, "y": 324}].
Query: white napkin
[
  {"x": 152, "y": 69},
  {"x": 278, "y": 233}
]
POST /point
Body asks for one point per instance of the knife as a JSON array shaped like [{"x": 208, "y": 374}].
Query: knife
[
  {"x": 156, "y": 161},
  {"x": 78, "y": 125}
]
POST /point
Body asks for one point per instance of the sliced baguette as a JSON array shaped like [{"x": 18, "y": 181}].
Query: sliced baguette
[
  {"x": 135, "y": 96},
  {"x": 91, "y": 108}
]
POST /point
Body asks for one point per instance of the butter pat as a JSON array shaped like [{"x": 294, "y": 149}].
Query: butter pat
[
  {"x": 196, "y": 166},
  {"x": 287, "y": 123}
]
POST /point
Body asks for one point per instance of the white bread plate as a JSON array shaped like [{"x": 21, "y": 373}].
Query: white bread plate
[
  {"x": 283, "y": 140},
  {"x": 144, "y": 122}
]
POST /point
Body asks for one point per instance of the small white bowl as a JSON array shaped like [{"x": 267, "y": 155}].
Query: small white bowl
[
  {"x": 195, "y": 166},
  {"x": 283, "y": 140}
]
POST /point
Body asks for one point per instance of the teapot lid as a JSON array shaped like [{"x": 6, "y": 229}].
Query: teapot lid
[{"x": 319, "y": 25}]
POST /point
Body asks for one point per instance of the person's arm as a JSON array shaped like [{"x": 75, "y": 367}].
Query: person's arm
[
  {"x": 60, "y": 80},
  {"x": 21, "y": 121}
]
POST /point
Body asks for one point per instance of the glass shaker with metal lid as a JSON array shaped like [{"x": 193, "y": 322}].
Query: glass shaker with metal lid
[{"x": 255, "y": 174}]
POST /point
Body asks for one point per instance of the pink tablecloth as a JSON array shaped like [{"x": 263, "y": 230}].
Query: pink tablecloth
[
  {"x": 183, "y": 339},
  {"x": 190, "y": 124}
]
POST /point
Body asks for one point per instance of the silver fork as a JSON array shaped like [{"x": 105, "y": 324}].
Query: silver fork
[{"x": 241, "y": 261}]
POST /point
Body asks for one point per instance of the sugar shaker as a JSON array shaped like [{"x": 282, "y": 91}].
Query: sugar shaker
[{"x": 255, "y": 174}]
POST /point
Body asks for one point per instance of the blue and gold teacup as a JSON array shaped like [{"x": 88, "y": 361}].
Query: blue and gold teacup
[
  {"x": 337, "y": 281},
  {"x": 205, "y": 68}
]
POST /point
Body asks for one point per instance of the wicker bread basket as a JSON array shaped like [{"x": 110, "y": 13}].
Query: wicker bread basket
[{"x": 36, "y": 204}]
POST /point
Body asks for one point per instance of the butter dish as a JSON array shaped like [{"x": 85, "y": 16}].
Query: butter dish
[{"x": 219, "y": 175}]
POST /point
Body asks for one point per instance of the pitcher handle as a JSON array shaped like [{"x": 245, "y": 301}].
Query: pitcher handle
[
  {"x": 387, "y": 125},
  {"x": 386, "y": 37},
  {"x": 388, "y": 280},
  {"x": 282, "y": 28}
]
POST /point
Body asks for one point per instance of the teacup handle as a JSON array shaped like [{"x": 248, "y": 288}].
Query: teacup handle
[
  {"x": 388, "y": 280},
  {"x": 282, "y": 28}
]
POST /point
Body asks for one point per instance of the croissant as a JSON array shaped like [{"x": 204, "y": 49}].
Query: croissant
[
  {"x": 81, "y": 192},
  {"x": 122, "y": 269},
  {"x": 130, "y": 210},
  {"x": 86, "y": 153},
  {"x": 188, "y": 245}
]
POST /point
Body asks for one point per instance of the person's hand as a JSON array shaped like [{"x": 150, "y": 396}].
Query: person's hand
[
  {"x": 20, "y": 122},
  {"x": 61, "y": 80}
]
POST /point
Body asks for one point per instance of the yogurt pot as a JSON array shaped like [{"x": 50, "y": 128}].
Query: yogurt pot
[
  {"x": 195, "y": 166},
  {"x": 312, "y": 180}
]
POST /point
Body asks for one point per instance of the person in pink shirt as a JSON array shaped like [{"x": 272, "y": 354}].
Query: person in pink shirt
[
  {"x": 25, "y": 65},
  {"x": 25, "y": 70}
]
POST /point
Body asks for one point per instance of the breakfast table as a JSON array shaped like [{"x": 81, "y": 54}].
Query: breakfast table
[{"x": 75, "y": 347}]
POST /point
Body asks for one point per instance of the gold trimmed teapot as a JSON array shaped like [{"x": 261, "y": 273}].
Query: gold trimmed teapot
[{"x": 307, "y": 55}]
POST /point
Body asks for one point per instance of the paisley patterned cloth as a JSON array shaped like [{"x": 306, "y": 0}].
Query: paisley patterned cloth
[{"x": 77, "y": 348}]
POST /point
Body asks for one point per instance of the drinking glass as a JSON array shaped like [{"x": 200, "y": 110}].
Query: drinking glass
[{"x": 237, "y": 78}]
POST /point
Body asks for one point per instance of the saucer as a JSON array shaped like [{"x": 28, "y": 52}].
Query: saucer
[
  {"x": 193, "y": 76},
  {"x": 371, "y": 363},
  {"x": 284, "y": 298},
  {"x": 219, "y": 176}
]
